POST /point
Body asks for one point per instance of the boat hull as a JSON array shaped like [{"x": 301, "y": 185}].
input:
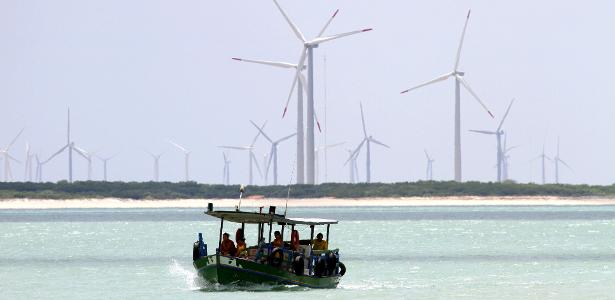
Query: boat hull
[{"x": 230, "y": 270}]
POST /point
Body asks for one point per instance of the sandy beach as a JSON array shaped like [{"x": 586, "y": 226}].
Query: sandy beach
[{"x": 318, "y": 202}]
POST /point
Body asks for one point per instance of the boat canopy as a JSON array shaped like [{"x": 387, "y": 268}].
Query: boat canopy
[{"x": 255, "y": 217}]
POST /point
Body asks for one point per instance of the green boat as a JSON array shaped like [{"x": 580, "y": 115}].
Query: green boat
[{"x": 294, "y": 262}]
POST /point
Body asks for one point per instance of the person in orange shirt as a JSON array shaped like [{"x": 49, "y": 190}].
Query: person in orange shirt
[
  {"x": 277, "y": 242},
  {"x": 227, "y": 247}
]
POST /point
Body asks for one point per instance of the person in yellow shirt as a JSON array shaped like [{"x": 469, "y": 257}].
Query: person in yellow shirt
[
  {"x": 319, "y": 243},
  {"x": 241, "y": 248}
]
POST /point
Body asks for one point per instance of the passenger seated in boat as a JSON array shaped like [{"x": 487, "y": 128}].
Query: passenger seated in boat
[
  {"x": 319, "y": 243},
  {"x": 277, "y": 242},
  {"x": 227, "y": 247},
  {"x": 294, "y": 240},
  {"x": 242, "y": 250}
]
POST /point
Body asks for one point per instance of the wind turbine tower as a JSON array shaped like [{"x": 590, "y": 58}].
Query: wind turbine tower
[
  {"x": 459, "y": 81},
  {"x": 226, "y": 171},
  {"x": 429, "y": 171},
  {"x": 156, "y": 167},
  {"x": 186, "y": 159}
]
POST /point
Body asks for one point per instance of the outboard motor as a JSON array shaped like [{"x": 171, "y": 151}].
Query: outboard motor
[{"x": 195, "y": 251}]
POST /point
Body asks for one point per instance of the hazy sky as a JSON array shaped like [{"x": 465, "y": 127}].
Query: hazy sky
[{"x": 138, "y": 73}]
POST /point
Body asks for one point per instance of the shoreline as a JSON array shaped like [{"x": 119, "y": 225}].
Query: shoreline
[{"x": 311, "y": 202}]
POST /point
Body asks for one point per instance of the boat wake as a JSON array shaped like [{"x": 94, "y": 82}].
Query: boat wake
[{"x": 193, "y": 282}]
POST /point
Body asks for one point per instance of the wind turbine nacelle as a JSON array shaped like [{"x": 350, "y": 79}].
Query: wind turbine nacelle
[{"x": 460, "y": 73}]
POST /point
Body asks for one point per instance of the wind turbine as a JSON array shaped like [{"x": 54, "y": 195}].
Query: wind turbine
[
  {"x": 300, "y": 137},
  {"x": 104, "y": 160},
  {"x": 498, "y": 136},
  {"x": 459, "y": 80},
  {"x": 70, "y": 146},
  {"x": 186, "y": 158},
  {"x": 226, "y": 171},
  {"x": 429, "y": 171},
  {"x": 352, "y": 167},
  {"x": 273, "y": 154},
  {"x": 39, "y": 169},
  {"x": 28, "y": 165},
  {"x": 156, "y": 167},
  {"x": 542, "y": 158},
  {"x": 7, "y": 157},
  {"x": 317, "y": 156},
  {"x": 367, "y": 140},
  {"x": 252, "y": 160},
  {"x": 308, "y": 52},
  {"x": 556, "y": 161},
  {"x": 505, "y": 158}
]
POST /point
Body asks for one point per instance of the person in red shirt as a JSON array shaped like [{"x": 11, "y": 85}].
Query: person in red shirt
[{"x": 227, "y": 247}]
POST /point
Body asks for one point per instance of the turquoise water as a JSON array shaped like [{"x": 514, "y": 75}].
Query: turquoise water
[{"x": 391, "y": 253}]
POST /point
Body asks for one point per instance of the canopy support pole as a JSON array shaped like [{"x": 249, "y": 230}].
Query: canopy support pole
[{"x": 220, "y": 237}]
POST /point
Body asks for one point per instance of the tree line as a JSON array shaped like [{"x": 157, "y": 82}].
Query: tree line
[{"x": 186, "y": 190}]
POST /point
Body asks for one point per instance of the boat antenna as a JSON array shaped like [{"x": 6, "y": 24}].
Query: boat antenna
[
  {"x": 242, "y": 189},
  {"x": 292, "y": 175}
]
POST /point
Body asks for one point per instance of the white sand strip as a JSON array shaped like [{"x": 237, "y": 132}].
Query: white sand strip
[{"x": 317, "y": 202}]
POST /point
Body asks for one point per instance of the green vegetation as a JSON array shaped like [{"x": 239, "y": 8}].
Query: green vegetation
[{"x": 183, "y": 190}]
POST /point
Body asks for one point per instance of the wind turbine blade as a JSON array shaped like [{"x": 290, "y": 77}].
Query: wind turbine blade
[
  {"x": 292, "y": 25},
  {"x": 334, "y": 145},
  {"x": 304, "y": 83},
  {"x": 270, "y": 158},
  {"x": 437, "y": 79},
  {"x": 235, "y": 147},
  {"x": 355, "y": 152},
  {"x": 463, "y": 33},
  {"x": 14, "y": 140},
  {"x": 363, "y": 120},
  {"x": 506, "y": 114},
  {"x": 317, "y": 121},
  {"x": 371, "y": 139},
  {"x": 565, "y": 164},
  {"x": 427, "y": 155},
  {"x": 56, "y": 154},
  {"x": 320, "y": 40},
  {"x": 81, "y": 152},
  {"x": 258, "y": 168},
  {"x": 482, "y": 131},
  {"x": 268, "y": 63},
  {"x": 178, "y": 146},
  {"x": 292, "y": 87},
  {"x": 13, "y": 158},
  {"x": 510, "y": 148},
  {"x": 224, "y": 156},
  {"x": 328, "y": 22},
  {"x": 285, "y": 138},
  {"x": 257, "y": 135},
  {"x": 467, "y": 86},
  {"x": 261, "y": 131}
]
